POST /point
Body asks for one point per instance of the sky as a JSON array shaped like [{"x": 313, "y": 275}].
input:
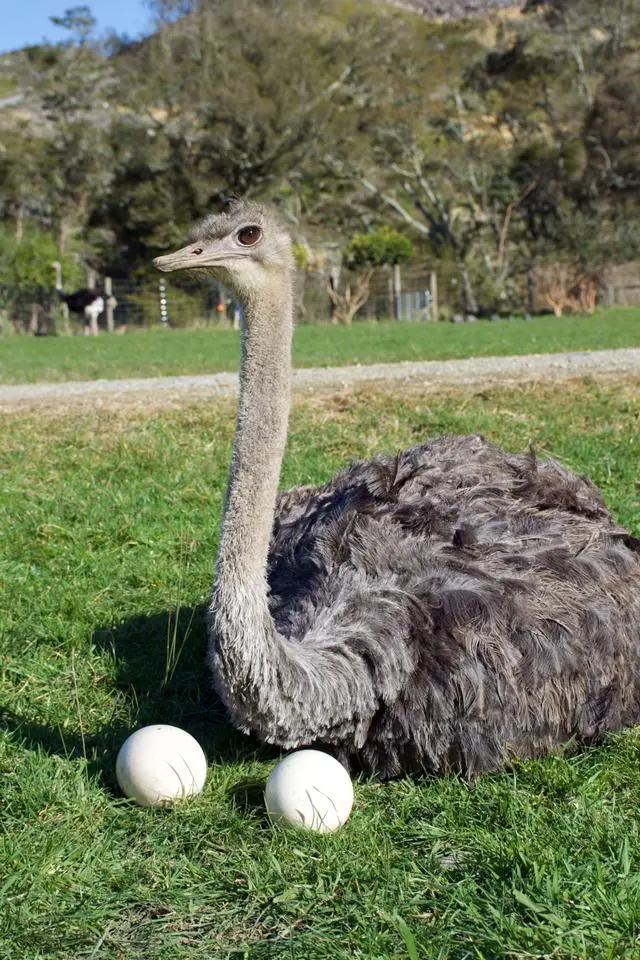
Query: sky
[{"x": 25, "y": 22}]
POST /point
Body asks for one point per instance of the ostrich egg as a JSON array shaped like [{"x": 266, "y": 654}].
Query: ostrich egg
[
  {"x": 309, "y": 790},
  {"x": 161, "y": 763}
]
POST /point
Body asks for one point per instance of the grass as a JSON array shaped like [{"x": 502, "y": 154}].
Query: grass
[
  {"x": 165, "y": 352},
  {"x": 108, "y": 529}
]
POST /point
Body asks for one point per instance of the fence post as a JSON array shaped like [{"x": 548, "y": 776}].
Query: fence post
[
  {"x": 108, "y": 299},
  {"x": 433, "y": 290},
  {"x": 91, "y": 278},
  {"x": 164, "y": 315},
  {"x": 397, "y": 291},
  {"x": 334, "y": 281}
]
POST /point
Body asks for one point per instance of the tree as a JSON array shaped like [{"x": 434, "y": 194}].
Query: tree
[
  {"x": 488, "y": 155},
  {"x": 361, "y": 256},
  {"x": 79, "y": 21},
  {"x": 27, "y": 274},
  {"x": 211, "y": 111},
  {"x": 377, "y": 248},
  {"x": 23, "y": 180},
  {"x": 76, "y": 150},
  {"x": 452, "y": 188}
]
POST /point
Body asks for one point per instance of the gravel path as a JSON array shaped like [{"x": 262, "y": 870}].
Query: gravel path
[{"x": 556, "y": 366}]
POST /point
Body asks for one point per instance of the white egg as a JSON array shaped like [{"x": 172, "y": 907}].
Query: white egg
[
  {"x": 310, "y": 790},
  {"x": 161, "y": 763}
]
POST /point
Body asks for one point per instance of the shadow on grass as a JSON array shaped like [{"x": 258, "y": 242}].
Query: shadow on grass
[
  {"x": 161, "y": 674},
  {"x": 248, "y": 796}
]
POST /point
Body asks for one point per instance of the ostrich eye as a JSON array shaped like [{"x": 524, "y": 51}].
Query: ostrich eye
[{"x": 248, "y": 236}]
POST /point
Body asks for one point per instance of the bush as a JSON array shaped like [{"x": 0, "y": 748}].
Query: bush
[
  {"x": 375, "y": 249},
  {"x": 27, "y": 282},
  {"x": 26, "y": 267}
]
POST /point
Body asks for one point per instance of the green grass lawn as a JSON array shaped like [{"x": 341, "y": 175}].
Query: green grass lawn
[
  {"x": 108, "y": 525},
  {"x": 163, "y": 352}
]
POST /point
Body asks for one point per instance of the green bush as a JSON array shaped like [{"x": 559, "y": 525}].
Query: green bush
[
  {"x": 377, "y": 248},
  {"x": 26, "y": 267}
]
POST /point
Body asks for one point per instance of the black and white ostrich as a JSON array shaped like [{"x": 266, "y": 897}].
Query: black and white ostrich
[{"x": 87, "y": 302}]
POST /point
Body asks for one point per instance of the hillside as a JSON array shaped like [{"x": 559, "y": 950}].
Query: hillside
[
  {"x": 494, "y": 141},
  {"x": 457, "y": 9},
  {"x": 25, "y": 75}
]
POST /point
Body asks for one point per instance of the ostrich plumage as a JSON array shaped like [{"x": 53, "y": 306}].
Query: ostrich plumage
[
  {"x": 487, "y": 601},
  {"x": 449, "y": 608},
  {"x": 81, "y": 300}
]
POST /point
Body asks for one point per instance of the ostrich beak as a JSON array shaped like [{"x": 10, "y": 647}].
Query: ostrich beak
[
  {"x": 193, "y": 255},
  {"x": 185, "y": 257}
]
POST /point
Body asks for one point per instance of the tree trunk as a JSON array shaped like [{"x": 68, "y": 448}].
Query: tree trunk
[
  {"x": 63, "y": 230},
  {"x": 109, "y": 303},
  {"x": 347, "y": 303},
  {"x": 333, "y": 280},
  {"x": 33, "y": 319},
  {"x": 469, "y": 297}
]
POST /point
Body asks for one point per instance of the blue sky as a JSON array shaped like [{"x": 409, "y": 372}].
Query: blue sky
[{"x": 27, "y": 21}]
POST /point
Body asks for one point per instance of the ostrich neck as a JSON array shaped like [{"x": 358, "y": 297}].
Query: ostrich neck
[
  {"x": 289, "y": 692},
  {"x": 260, "y": 438}
]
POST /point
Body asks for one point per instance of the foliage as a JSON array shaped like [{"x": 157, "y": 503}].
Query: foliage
[
  {"x": 378, "y": 248},
  {"x": 365, "y": 251},
  {"x": 78, "y": 20},
  {"x": 77, "y": 154},
  {"x": 26, "y": 265},
  {"x": 489, "y": 143}
]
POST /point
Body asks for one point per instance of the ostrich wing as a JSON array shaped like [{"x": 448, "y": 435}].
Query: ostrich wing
[{"x": 494, "y": 600}]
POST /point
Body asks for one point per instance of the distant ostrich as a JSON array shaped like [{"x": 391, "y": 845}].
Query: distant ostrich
[
  {"x": 87, "y": 302},
  {"x": 448, "y": 608}
]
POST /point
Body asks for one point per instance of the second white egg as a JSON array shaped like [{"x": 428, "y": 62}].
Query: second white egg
[{"x": 310, "y": 790}]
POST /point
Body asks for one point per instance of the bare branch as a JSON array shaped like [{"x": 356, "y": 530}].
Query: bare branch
[{"x": 396, "y": 206}]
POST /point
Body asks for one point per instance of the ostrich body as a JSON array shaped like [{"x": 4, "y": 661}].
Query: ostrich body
[
  {"x": 87, "y": 302},
  {"x": 449, "y": 608}
]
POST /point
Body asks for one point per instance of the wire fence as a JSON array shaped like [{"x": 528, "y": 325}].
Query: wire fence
[
  {"x": 412, "y": 295},
  {"x": 167, "y": 302}
]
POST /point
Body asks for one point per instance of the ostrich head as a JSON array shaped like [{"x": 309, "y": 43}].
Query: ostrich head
[{"x": 244, "y": 248}]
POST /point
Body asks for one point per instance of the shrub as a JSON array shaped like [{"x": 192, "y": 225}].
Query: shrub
[
  {"x": 378, "y": 248},
  {"x": 26, "y": 266}
]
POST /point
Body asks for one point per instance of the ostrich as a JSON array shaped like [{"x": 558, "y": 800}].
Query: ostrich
[
  {"x": 89, "y": 304},
  {"x": 446, "y": 609},
  {"x": 86, "y": 302}
]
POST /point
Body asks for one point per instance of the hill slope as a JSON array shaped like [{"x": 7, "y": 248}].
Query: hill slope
[{"x": 457, "y": 9}]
